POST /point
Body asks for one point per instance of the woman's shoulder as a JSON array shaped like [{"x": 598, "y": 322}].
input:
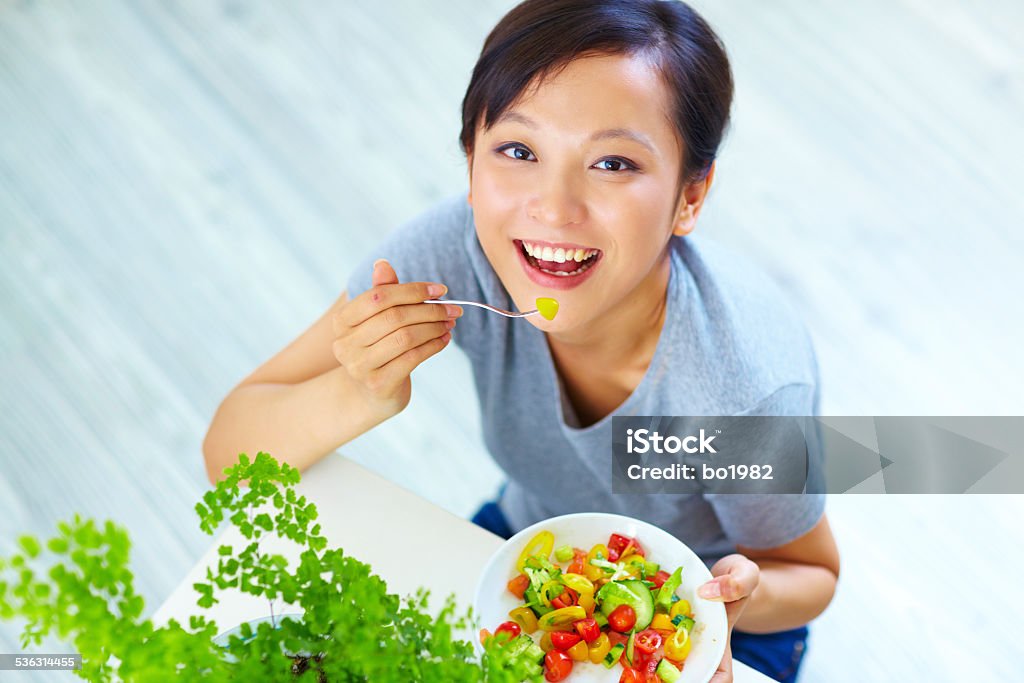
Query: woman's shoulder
[{"x": 754, "y": 336}]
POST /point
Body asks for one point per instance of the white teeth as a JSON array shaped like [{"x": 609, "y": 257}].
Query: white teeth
[
  {"x": 558, "y": 255},
  {"x": 560, "y": 273}
]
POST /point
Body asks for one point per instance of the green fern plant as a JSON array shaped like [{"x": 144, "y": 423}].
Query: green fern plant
[{"x": 78, "y": 586}]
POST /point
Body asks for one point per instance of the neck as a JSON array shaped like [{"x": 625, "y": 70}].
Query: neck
[{"x": 634, "y": 326}]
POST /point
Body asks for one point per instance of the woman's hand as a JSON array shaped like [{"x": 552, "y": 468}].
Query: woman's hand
[
  {"x": 383, "y": 334},
  {"x": 736, "y": 577}
]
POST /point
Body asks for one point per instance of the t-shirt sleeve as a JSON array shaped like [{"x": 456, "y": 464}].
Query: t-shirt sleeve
[{"x": 770, "y": 520}]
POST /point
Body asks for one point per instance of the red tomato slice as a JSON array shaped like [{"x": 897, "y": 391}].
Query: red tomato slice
[
  {"x": 630, "y": 675},
  {"x": 563, "y": 640},
  {"x": 615, "y": 638},
  {"x": 660, "y": 578},
  {"x": 618, "y": 542},
  {"x": 557, "y": 666},
  {"x": 518, "y": 585},
  {"x": 622, "y": 618},
  {"x": 588, "y": 629},
  {"x": 579, "y": 557},
  {"x": 647, "y": 641},
  {"x": 510, "y": 627}
]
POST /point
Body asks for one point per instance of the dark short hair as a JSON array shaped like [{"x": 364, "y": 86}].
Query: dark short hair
[{"x": 540, "y": 37}]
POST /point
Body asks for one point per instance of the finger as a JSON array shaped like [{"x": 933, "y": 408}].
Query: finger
[
  {"x": 402, "y": 340},
  {"x": 383, "y": 273},
  {"x": 380, "y": 297},
  {"x": 736, "y": 577},
  {"x": 391, "y": 375},
  {"x": 392, "y": 319}
]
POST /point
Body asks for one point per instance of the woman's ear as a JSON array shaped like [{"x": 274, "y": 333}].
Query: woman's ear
[{"x": 690, "y": 203}]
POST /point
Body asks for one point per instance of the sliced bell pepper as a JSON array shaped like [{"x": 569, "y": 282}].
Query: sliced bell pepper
[{"x": 539, "y": 546}]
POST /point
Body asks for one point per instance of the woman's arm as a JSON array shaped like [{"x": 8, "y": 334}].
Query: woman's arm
[
  {"x": 346, "y": 374},
  {"x": 789, "y": 586},
  {"x": 298, "y": 406}
]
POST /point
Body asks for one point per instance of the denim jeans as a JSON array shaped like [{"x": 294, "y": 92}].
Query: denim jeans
[{"x": 776, "y": 655}]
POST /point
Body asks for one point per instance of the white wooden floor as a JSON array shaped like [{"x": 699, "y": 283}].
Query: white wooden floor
[{"x": 184, "y": 187}]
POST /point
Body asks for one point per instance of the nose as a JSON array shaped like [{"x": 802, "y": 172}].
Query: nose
[{"x": 559, "y": 203}]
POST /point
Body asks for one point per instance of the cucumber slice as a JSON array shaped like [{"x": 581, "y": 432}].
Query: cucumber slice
[
  {"x": 612, "y": 658},
  {"x": 667, "y": 673},
  {"x": 633, "y": 593},
  {"x": 629, "y": 648}
]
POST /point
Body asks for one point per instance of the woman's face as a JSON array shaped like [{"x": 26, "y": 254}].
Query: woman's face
[{"x": 573, "y": 189}]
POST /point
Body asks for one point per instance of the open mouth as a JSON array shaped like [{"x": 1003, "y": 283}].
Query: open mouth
[{"x": 561, "y": 261}]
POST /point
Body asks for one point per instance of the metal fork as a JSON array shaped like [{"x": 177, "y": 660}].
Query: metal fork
[{"x": 500, "y": 311}]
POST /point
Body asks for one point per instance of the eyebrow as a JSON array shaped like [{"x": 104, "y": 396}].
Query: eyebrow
[{"x": 610, "y": 133}]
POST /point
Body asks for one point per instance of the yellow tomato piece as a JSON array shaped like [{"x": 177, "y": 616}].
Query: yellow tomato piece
[
  {"x": 662, "y": 622},
  {"x": 525, "y": 617},
  {"x": 587, "y": 602},
  {"x": 545, "y": 642},
  {"x": 561, "y": 618},
  {"x": 680, "y": 607},
  {"x": 538, "y": 546},
  {"x": 677, "y": 647},
  {"x": 579, "y": 652},
  {"x": 548, "y": 307},
  {"x": 599, "y": 549},
  {"x": 599, "y": 648}
]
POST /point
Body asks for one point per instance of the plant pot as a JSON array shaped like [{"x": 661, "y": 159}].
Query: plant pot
[{"x": 301, "y": 658}]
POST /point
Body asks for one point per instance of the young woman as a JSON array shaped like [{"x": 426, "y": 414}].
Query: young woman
[{"x": 590, "y": 130}]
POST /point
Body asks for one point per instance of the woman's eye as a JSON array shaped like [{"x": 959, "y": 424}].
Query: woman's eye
[
  {"x": 518, "y": 152},
  {"x": 615, "y": 165}
]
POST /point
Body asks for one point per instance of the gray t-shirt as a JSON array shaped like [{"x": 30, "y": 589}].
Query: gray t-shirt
[{"x": 729, "y": 346}]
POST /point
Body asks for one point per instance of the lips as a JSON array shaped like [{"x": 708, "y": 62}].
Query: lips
[{"x": 557, "y": 266}]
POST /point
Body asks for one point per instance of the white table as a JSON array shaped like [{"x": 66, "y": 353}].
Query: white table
[{"x": 370, "y": 518}]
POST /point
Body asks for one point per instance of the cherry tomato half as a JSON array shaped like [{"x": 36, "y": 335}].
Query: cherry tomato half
[
  {"x": 567, "y": 598},
  {"x": 579, "y": 557},
  {"x": 630, "y": 675},
  {"x": 618, "y": 543},
  {"x": 563, "y": 640},
  {"x": 616, "y": 638},
  {"x": 557, "y": 666},
  {"x": 622, "y": 618},
  {"x": 647, "y": 641},
  {"x": 660, "y": 578},
  {"x": 518, "y": 585},
  {"x": 510, "y": 627},
  {"x": 588, "y": 629}
]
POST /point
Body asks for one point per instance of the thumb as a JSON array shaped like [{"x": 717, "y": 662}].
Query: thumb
[{"x": 383, "y": 273}]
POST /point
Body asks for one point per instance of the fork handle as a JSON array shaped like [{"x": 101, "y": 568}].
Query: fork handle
[{"x": 507, "y": 314}]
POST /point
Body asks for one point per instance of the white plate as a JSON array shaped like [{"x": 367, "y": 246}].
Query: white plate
[{"x": 492, "y": 601}]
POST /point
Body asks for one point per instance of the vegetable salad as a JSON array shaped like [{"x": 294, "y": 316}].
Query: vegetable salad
[{"x": 609, "y": 606}]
